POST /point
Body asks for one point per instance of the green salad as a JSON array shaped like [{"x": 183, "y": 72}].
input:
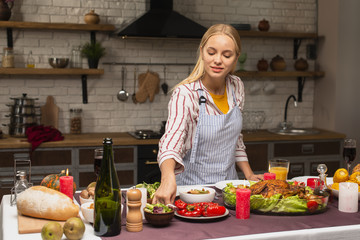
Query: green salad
[
  {"x": 150, "y": 187},
  {"x": 276, "y": 203}
]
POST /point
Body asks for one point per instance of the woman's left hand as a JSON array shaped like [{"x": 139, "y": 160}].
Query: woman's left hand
[{"x": 255, "y": 177}]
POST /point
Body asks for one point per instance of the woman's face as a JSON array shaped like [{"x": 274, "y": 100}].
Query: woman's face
[{"x": 219, "y": 56}]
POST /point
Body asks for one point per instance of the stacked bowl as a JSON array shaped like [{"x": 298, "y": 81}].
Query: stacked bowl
[{"x": 23, "y": 114}]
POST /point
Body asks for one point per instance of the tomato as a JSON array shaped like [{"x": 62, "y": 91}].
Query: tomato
[
  {"x": 180, "y": 204},
  {"x": 312, "y": 205}
]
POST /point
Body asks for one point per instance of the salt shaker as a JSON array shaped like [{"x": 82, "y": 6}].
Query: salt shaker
[{"x": 134, "y": 217}]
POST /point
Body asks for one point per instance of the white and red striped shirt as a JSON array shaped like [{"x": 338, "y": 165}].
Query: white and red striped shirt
[{"x": 183, "y": 117}]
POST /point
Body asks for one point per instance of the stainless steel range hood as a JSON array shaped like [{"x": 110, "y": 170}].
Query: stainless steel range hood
[{"x": 160, "y": 21}]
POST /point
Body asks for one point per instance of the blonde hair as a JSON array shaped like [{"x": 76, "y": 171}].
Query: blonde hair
[{"x": 217, "y": 29}]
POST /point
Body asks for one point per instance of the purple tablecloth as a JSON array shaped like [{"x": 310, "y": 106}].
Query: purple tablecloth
[{"x": 231, "y": 226}]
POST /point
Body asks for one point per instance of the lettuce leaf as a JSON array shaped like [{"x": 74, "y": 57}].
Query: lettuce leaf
[
  {"x": 258, "y": 202},
  {"x": 291, "y": 204}
]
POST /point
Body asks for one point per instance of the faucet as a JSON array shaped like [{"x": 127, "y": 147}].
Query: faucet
[{"x": 285, "y": 125}]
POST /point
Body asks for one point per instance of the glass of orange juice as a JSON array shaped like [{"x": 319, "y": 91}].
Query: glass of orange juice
[{"x": 280, "y": 167}]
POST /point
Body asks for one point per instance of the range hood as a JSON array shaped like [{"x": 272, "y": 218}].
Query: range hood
[{"x": 160, "y": 21}]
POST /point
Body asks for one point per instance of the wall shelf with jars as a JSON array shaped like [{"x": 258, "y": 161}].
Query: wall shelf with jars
[{"x": 92, "y": 28}]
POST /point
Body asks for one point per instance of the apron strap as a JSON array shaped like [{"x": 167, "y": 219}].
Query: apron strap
[{"x": 202, "y": 101}]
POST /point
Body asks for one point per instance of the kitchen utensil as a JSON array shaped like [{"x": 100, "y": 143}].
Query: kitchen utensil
[
  {"x": 58, "y": 62},
  {"x": 50, "y": 113},
  {"x": 29, "y": 119},
  {"x": 134, "y": 94},
  {"x": 24, "y": 100},
  {"x": 122, "y": 94},
  {"x": 164, "y": 86},
  {"x": 18, "y": 129},
  {"x": 22, "y": 110}
]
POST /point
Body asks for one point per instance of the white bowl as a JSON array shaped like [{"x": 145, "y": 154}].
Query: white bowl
[
  {"x": 336, "y": 192},
  {"x": 85, "y": 200},
  {"x": 194, "y": 198},
  {"x": 88, "y": 212}
]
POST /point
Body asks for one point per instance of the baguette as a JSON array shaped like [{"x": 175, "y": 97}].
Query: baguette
[{"x": 43, "y": 202}]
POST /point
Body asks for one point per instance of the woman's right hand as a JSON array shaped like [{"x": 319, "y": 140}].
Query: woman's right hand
[{"x": 166, "y": 193}]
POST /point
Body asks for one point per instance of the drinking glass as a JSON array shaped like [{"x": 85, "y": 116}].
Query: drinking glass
[
  {"x": 349, "y": 152},
  {"x": 280, "y": 167},
  {"x": 98, "y": 155}
]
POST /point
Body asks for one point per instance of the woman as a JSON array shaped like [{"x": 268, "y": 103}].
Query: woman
[{"x": 203, "y": 141}]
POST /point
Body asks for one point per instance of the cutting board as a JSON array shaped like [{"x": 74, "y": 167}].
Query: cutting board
[
  {"x": 32, "y": 225},
  {"x": 50, "y": 113}
]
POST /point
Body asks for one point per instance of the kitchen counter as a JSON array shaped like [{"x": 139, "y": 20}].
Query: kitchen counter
[{"x": 124, "y": 139}]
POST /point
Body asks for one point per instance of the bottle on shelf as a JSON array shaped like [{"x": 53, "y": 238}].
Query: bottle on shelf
[
  {"x": 30, "y": 62},
  {"x": 107, "y": 202}
]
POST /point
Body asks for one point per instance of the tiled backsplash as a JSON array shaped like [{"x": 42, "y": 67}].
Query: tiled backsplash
[{"x": 104, "y": 113}]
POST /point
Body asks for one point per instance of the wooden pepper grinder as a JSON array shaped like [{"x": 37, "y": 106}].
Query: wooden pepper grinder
[{"x": 134, "y": 221}]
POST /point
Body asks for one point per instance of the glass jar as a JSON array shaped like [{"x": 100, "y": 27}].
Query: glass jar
[
  {"x": 21, "y": 185},
  {"x": 76, "y": 58},
  {"x": 75, "y": 120},
  {"x": 8, "y": 58}
]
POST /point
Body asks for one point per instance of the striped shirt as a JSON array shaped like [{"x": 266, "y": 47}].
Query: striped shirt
[{"x": 183, "y": 116}]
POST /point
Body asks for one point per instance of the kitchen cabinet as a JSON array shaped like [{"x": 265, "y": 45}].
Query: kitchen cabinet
[
  {"x": 92, "y": 28},
  {"x": 79, "y": 161},
  {"x": 304, "y": 156}
]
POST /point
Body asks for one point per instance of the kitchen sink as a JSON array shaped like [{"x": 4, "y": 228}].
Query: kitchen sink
[{"x": 294, "y": 131}]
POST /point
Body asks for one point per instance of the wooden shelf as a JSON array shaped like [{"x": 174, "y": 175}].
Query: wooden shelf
[
  {"x": 57, "y": 26},
  {"x": 293, "y": 35},
  {"x": 279, "y": 74},
  {"x": 50, "y": 71}
]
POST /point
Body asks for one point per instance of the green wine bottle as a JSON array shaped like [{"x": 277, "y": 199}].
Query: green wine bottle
[{"x": 107, "y": 207}]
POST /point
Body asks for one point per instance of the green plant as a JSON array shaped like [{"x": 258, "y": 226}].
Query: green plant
[{"x": 92, "y": 50}]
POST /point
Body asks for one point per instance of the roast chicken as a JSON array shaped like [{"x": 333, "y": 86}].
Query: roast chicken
[{"x": 271, "y": 187}]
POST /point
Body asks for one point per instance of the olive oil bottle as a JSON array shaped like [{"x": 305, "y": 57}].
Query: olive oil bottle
[{"x": 107, "y": 202}]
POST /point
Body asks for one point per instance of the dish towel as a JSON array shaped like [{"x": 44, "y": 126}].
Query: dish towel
[{"x": 39, "y": 134}]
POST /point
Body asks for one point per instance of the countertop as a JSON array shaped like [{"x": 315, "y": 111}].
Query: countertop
[{"x": 124, "y": 139}]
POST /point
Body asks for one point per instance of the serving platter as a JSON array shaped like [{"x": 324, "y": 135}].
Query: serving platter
[
  {"x": 220, "y": 185},
  {"x": 202, "y": 218},
  {"x": 336, "y": 192}
]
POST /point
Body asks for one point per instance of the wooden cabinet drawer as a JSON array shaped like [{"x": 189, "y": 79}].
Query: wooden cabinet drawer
[
  {"x": 306, "y": 149},
  {"x": 126, "y": 177},
  {"x": 331, "y": 165},
  {"x": 38, "y": 158},
  {"x": 258, "y": 156},
  {"x": 121, "y": 155}
]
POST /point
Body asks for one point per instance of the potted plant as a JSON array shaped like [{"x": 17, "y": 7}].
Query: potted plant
[{"x": 93, "y": 52}]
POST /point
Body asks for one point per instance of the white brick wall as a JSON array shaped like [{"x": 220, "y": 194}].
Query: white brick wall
[{"x": 104, "y": 113}]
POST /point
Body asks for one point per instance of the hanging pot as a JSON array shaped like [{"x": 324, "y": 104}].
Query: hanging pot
[
  {"x": 24, "y": 101},
  {"x": 5, "y": 10}
]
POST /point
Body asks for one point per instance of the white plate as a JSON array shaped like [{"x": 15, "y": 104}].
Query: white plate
[
  {"x": 220, "y": 185},
  {"x": 329, "y": 180},
  {"x": 202, "y": 217}
]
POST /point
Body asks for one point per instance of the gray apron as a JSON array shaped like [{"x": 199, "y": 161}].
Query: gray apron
[{"x": 212, "y": 156}]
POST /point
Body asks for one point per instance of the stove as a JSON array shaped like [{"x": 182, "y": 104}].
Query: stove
[{"x": 145, "y": 134}]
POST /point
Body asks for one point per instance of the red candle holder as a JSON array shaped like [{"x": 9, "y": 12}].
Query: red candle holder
[
  {"x": 269, "y": 176},
  {"x": 314, "y": 182},
  {"x": 66, "y": 186},
  {"x": 243, "y": 203}
]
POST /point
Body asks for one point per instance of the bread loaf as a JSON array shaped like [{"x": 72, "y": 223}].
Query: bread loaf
[{"x": 43, "y": 202}]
